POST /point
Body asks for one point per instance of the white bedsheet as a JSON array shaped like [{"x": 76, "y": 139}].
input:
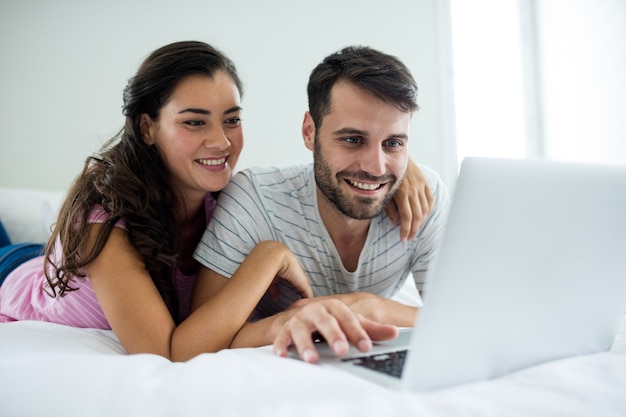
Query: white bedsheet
[{"x": 53, "y": 370}]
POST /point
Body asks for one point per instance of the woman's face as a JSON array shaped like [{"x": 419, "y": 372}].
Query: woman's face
[{"x": 198, "y": 133}]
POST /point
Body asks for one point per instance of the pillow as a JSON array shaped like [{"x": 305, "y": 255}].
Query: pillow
[{"x": 28, "y": 213}]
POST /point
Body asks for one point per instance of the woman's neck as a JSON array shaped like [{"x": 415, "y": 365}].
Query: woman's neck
[
  {"x": 189, "y": 208},
  {"x": 191, "y": 222}
]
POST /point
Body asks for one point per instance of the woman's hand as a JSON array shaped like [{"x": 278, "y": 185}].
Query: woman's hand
[
  {"x": 411, "y": 203},
  {"x": 289, "y": 268}
]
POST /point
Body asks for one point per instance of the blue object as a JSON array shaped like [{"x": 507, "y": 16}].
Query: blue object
[
  {"x": 4, "y": 237},
  {"x": 12, "y": 256}
]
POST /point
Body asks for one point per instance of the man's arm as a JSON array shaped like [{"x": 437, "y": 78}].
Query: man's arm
[
  {"x": 344, "y": 319},
  {"x": 372, "y": 307}
]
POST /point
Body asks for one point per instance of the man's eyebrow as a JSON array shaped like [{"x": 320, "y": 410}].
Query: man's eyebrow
[
  {"x": 359, "y": 132},
  {"x": 350, "y": 131},
  {"x": 208, "y": 112},
  {"x": 400, "y": 136}
]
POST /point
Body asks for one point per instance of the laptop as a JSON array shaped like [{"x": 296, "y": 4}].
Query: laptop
[{"x": 532, "y": 268}]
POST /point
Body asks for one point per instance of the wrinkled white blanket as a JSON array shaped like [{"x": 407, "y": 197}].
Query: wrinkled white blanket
[{"x": 52, "y": 370}]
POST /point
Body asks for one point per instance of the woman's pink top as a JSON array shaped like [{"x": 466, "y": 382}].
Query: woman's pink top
[{"x": 23, "y": 295}]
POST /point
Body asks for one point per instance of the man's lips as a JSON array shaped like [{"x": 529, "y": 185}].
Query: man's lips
[{"x": 364, "y": 185}]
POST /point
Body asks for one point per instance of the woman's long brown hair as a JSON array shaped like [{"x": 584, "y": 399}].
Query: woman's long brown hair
[{"x": 129, "y": 179}]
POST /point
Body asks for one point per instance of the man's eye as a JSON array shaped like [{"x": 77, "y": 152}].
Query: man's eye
[
  {"x": 353, "y": 139},
  {"x": 394, "y": 143}
]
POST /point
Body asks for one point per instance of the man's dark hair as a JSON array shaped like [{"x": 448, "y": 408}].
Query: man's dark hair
[{"x": 382, "y": 75}]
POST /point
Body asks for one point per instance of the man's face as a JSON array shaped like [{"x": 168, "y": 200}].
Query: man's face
[{"x": 360, "y": 151}]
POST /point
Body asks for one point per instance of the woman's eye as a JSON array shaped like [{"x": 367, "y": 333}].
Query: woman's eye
[
  {"x": 233, "y": 121},
  {"x": 194, "y": 122}
]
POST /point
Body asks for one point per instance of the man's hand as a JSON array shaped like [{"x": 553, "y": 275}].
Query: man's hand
[
  {"x": 335, "y": 322},
  {"x": 370, "y": 306}
]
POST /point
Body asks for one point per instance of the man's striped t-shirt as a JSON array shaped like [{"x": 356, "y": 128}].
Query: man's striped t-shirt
[{"x": 281, "y": 204}]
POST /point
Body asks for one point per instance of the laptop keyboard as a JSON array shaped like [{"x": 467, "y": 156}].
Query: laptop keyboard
[{"x": 391, "y": 363}]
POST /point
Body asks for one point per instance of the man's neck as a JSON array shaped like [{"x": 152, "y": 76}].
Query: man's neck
[{"x": 347, "y": 234}]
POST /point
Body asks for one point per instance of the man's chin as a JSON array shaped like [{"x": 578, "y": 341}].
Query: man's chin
[{"x": 364, "y": 210}]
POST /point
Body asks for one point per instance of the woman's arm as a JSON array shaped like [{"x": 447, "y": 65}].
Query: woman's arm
[
  {"x": 141, "y": 320},
  {"x": 411, "y": 202},
  {"x": 220, "y": 306}
]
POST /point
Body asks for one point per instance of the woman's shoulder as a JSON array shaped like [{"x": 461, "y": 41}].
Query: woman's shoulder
[{"x": 98, "y": 215}]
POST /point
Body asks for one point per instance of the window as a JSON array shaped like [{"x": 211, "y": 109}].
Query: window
[
  {"x": 488, "y": 82},
  {"x": 540, "y": 79}
]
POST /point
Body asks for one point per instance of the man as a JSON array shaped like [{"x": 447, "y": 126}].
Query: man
[{"x": 331, "y": 213}]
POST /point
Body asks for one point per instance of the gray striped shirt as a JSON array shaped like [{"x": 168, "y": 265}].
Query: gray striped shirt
[{"x": 281, "y": 204}]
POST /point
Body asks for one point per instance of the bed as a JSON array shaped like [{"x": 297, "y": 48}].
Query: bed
[{"x": 53, "y": 370}]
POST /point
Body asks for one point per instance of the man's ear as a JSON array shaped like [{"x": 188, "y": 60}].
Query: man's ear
[
  {"x": 308, "y": 131},
  {"x": 147, "y": 127}
]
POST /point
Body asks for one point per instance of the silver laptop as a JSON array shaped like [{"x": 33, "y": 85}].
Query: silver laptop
[{"x": 532, "y": 268}]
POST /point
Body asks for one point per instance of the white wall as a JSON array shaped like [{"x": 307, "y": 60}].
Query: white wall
[{"x": 65, "y": 63}]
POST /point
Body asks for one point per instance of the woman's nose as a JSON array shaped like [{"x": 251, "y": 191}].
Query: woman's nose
[{"x": 217, "y": 138}]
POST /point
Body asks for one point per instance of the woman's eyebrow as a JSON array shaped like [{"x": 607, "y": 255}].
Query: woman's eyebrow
[
  {"x": 195, "y": 110},
  {"x": 208, "y": 112},
  {"x": 233, "y": 109}
]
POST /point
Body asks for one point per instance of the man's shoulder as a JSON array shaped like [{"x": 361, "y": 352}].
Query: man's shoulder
[
  {"x": 272, "y": 176},
  {"x": 276, "y": 193},
  {"x": 434, "y": 180},
  {"x": 430, "y": 173}
]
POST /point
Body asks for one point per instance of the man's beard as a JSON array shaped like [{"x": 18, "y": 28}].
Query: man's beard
[{"x": 360, "y": 208}]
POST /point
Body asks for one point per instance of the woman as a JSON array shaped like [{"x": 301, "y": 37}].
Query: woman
[{"x": 120, "y": 255}]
